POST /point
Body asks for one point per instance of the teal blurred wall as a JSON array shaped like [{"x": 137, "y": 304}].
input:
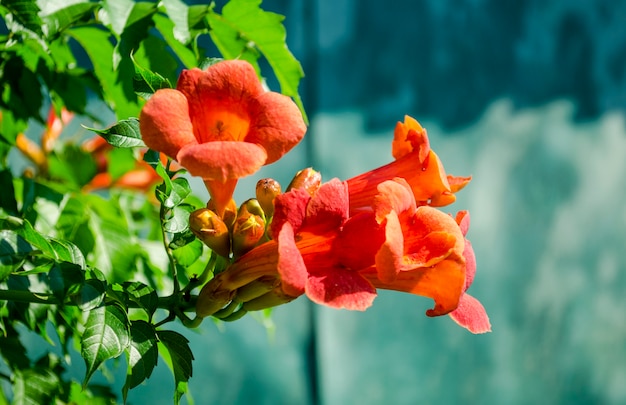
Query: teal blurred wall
[{"x": 526, "y": 96}]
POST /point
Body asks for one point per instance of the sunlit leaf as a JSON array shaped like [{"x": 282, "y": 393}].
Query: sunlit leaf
[
  {"x": 106, "y": 335},
  {"x": 180, "y": 359},
  {"x": 166, "y": 29},
  {"x": 178, "y": 219},
  {"x": 189, "y": 21},
  {"x": 124, "y": 134},
  {"x": 116, "y": 86},
  {"x": 60, "y": 15},
  {"x": 26, "y": 12},
  {"x": 142, "y": 354},
  {"x": 189, "y": 253},
  {"x": 243, "y": 27}
]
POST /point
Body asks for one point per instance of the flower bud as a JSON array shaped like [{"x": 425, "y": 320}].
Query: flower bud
[
  {"x": 230, "y": 211},
  {"x": 248, "y": 228},
  {"x": 306, "y": 179},
  {"x": 256, "y": 288},
  {"x": 210, "y": 229},
  {"x": 266, "y": 191},
  {"x": 268, "y": 300}
]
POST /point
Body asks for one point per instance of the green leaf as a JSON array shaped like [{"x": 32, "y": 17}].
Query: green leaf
[
  {"x": 73, "y": 165},
  {"x": 243, "y": 28},
  {"x": 120, "y": 161},
  {"x": 177, "y": 220},
  {"x": 189, "y": 21},
  {"x": 26, "y": 12},
  {"x": 124, "y": 134},
  {"x": 165, "y": 26},
  {"x": 13, "y": 251},
  {"x": 142, "y": 295},
  {"x": 7, "y": 198},
  {"x": 64, "y": 277},
  {"x": 38, "y": 385},
  {"x": 147, "y": 83},
  {"x": 56, "y": 249},
  {"x": 116, "y": 85},
  {"x": 106, "y": 335},
  {"x": 136, "y": 28},
  {"x": 59, "y": 15},
  {"x": 13, "y": 352},
  {"x": 90, "y": 295},
  {"x": 180, "y": 359},
  {"x": 114, "y": 251},
  {"x": 188, "y": 254},
  {"x": 142, "y": 354},
  {"x": 179, "y": 190}
]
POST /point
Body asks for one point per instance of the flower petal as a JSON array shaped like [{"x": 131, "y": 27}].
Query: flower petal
[
  {"x": 360, "y": 238},
  {"x": 276, "y": 124},
  {"x": 341, "y": 288},
  {"x": 442, "y": 282},
  {"x": 289, "y": 207},
  {"x": 328, "y": 208},
  {"x": 293, "y": 272},
  {"x": 164, "y": 122},
  {"x": 222, "y": 161},
  {"x": 471, "y": 315}
]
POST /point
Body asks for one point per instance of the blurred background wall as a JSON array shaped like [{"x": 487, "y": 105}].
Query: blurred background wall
[{"x": 527, "y": 97}]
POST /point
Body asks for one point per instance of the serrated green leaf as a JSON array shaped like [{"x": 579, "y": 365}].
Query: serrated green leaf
[
  {"x": 180, "y": 359},
  {"x": 147, "y": 83},
  {"x": 56, "y": 249},
  {"x": 142, "y": 354},
  {"x": 243, "y": 27},
  {"x": 124, "y": 134},
  {"x": 106, "y": 335},
  {"x": 142, "y": 295},
  {"x": 35, "y": 386}
]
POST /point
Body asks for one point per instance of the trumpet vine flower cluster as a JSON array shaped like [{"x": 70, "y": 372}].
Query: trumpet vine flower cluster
[{"x": 337, "y": 242}]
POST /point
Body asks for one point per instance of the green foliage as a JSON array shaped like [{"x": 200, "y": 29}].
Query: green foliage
[{"x": 88, "y": 250}]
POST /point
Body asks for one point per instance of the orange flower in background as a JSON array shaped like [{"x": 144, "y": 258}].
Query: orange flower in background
[
  {"x": 220, "y": 124},
  {"x": 417, "y": 163},
  {"x": 141, "y": 178}
]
